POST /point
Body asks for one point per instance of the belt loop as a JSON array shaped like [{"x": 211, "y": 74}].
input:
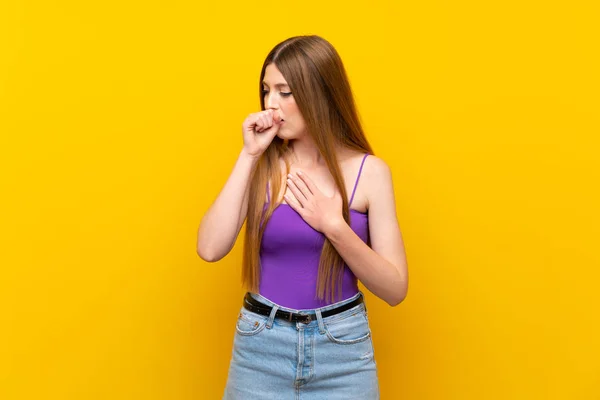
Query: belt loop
[
  {"x": 364, "y": 303},
  {"x": 320, "y": 320},
  {"x": 272, "y": 316}
]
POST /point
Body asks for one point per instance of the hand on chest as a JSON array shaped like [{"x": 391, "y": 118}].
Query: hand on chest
[
  {"x": 322, "y": 179},
  {"x": 323, "y": 182}
]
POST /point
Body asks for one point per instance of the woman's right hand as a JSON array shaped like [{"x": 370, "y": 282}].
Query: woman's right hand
[{"x": 259, "y": 129}]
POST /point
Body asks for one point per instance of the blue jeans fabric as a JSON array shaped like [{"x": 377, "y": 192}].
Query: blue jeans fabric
[{"x": 328, "y": 358}]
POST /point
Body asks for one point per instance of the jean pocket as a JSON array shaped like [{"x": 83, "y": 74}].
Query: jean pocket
[
  {"x": 250, "y": 323},
  {"x": 349, "y": 330}
]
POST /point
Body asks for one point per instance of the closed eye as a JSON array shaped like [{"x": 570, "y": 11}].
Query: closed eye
[{"x": 284, "y": 94}]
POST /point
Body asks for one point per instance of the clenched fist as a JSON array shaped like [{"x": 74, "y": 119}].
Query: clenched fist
[{"x": 259, "y": 129}]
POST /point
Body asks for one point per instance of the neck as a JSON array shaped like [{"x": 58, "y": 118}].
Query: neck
[{"x": 305, "y": 153}]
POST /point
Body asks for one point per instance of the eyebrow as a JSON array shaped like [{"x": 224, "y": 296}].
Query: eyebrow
[{"x": 278, "y": 84}]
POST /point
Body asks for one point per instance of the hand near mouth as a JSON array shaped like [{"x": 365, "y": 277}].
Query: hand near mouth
[{"x": 259, "y": 129}]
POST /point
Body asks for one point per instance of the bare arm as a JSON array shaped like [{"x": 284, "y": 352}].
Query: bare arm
[
  {"x": 382, "y": 268},
  {"x": 221, "y": 224}
]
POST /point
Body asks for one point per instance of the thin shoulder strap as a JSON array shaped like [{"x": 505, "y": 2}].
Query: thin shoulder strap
[{"x": 357, "y": 178}]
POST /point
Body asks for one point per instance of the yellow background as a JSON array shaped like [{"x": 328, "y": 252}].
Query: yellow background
[{"x": 120, "y": 122}]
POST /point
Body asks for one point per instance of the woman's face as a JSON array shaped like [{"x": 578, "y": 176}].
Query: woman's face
[{"x": 278, "y": 97}]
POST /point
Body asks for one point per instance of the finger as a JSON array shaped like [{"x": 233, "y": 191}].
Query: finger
[
  {"x": 301, "y": 184},
  {"x": 268, "y": 116},
  {"x": 270, "y": 126},
  {"x": 292, "y": 202},
  {"x": 259, "y": 123},
  {"x": 266, "y": 121},
  {"x": 308, "y": 182},
  {"x": 297, "y": 193},
  {"x": 272, "y": 132}
]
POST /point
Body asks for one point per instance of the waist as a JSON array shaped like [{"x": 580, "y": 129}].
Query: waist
[
  {"x": 259, "y": 304},
  {"x": 301, "y": 294},
  {"x": 293, "y": 284}
]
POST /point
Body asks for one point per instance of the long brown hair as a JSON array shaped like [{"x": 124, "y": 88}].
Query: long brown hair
[{"x": 317, "y": 78}]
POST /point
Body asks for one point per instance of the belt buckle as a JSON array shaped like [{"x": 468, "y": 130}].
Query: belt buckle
[{"x": 306, "y": 318}]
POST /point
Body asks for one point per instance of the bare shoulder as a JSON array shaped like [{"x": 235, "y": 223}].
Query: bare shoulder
[
  {"x": 375, "y": 165},
  {"x": 372, "y": 166},
  {"x": 376, "y": 171},
  {"x": 377, "y": 177}
]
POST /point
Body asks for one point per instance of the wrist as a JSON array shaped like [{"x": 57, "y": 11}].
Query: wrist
[
  {"x": 335, "y": 228},
  {"x": 246, "y": 155}
]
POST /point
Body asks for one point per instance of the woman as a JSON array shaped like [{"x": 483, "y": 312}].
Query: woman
[{"x": 303, "y": 330}]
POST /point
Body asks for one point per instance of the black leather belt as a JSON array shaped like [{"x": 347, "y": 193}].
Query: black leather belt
[{"x": 251, "y": 304}]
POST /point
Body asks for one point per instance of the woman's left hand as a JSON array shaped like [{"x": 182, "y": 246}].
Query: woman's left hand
[{"x": 321, "y": 212}]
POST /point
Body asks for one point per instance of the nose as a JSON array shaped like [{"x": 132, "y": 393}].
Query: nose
[{"x": 270, "y": 102}]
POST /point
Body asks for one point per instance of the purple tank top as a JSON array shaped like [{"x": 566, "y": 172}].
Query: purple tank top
[{"x": 289, "y": 257}]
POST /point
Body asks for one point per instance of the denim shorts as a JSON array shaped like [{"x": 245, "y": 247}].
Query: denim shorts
[{"x": 328, "y": 358}]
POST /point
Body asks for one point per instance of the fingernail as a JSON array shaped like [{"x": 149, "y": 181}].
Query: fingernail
[{"x": 299, "y": 172}]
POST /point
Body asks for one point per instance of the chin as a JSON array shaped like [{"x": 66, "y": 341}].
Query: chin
[
  {"x": 289, "y": 135},
  {"x": 285, "y": 135}
]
